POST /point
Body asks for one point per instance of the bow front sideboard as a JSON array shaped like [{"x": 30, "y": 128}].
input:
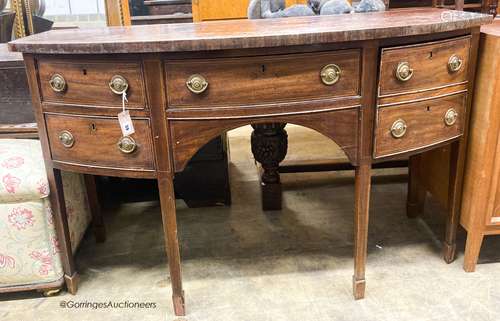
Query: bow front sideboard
[{"x": 381, "y": 85}]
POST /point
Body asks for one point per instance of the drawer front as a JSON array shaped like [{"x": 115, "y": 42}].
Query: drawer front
[
  {"x": 88, "y": 83},
  {"x": 95, "y": 142},
  {"x": 423, "y": 67},
  {"x": 260, "y": 80},
  {"x": 412, "y": 126}
]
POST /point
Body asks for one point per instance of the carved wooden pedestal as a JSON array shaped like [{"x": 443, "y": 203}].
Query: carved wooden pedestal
[{"x": 269, "y": 146}]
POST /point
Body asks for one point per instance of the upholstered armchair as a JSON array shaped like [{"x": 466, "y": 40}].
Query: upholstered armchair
[{"x": 29, "y": 249}]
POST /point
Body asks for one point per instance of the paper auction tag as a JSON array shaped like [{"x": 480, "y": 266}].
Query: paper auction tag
[
  {"x": 126, "y": 123},
  {"x": 124, "y": 119}
]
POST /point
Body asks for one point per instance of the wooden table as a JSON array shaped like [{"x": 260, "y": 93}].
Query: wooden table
[{"x": 381, "y": 85}]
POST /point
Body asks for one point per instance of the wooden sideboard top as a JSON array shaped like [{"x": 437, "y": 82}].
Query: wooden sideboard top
[
  {"x": 238, "y": 34},
  {"x": 492, "y": 29},
  {"x": 8, "y": 58}
]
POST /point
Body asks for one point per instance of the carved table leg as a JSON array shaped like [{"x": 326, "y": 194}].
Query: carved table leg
[
  {"x": 58, "y": 206},
  {"x": 98, "y": 226},
  {"x": 361, "y": 217},
  {"x": 167, "y": 200},
  {"x": 416, "y": 194},
  {"x": 269, "y": 147},
  {"x": 454, "y": 198}
]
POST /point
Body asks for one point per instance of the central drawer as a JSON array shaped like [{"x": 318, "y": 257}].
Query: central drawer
[
  {"x": 261, "y": 80},
  {"x": 98, "y": 142}
]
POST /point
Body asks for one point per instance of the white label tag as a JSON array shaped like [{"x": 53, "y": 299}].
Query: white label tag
[{"x": 126, "y": 123}]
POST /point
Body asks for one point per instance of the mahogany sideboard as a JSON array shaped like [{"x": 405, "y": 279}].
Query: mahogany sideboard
[{"x": 381, "y": 85}]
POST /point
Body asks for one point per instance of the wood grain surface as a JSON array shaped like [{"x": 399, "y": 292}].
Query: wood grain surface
[
  {"x": 238, "y": 34},
  {"x": 429, "y": 63},
  {"x": 425, "y": 121},
  {"x": 88, "y": 81},
  {"x": 96, "y": 142},
  {"x": 260, "y": 80},
  {"x": 190, "y": 135}
]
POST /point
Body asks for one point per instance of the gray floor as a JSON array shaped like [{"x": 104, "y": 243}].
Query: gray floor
[{"x": 240, "y": 263}]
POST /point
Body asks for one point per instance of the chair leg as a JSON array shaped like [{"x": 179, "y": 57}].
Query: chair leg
[
  {"x": 361, "y": 218},
  {"x": 98, "y": 226},
  {"x": 167, "y": 200},
  {"x": 472, "y": 249},
  {"x": 61, "y": 223}
]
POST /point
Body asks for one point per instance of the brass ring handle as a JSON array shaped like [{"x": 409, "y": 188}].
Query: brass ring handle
[
  {"x": 398, "y": 128},
  {"x": 127, "y": 145},
  {"x": 66, "y": 139},
  {"x": 197, "y": 84},
  {"x": 404, "y": 72},
  {"x": 57, "y": 83},
  {"x": 451, "y": 116},
  {"x": 118, "y": 84},
  {"x": 455, "y": 63},
  {"x": 330, "y": 74}
]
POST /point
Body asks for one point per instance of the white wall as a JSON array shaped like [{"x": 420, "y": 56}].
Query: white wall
[{"x": 73, "y": 7}]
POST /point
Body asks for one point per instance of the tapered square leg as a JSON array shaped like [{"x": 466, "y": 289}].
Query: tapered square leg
[
  {"x": 72, "y": 282},
  {"x": 472, "y": 249},
  {"x": 179, "y": 308},
  {"x": 58, "y": 206},
  {"x": 167, "y": 200},
  {"x": 361, "y": 218},
  {"x": 358, "y": 287},
  {"x": 98, "y": 226},
  {"x": 457, "y": 156},
  {"x": 416, "y": 193}
]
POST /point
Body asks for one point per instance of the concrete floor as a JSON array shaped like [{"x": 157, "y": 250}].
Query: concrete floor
[{"x": 240, "y": 263}]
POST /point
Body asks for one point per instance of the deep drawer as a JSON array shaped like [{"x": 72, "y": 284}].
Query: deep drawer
[
  {"x": 260, "y": 80},
  {"x": 412, "y": 126},
  {"x": 93, "y": 141}
]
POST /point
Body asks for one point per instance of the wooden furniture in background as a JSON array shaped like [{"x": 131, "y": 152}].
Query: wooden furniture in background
[
  {"x": 6, "y": 24},
  {"x": 161, "y": 11},
  {"x": 15, "y": 102},
  {"x": 481, "y": 195},
  {"x": 117, "y": 13},
  {"x": 188, "y": 83},
  {"x": 205, "y": 10},
  {"x": 485, "y": 6}
]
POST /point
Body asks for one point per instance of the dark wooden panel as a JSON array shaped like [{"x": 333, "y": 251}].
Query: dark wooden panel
[
  {"x": 425, "y": 121},
  {"x": 88, "y": 82},
  {"x": 96, "y": 142},
  {"x": 260, "y": 80},
  {"x": 6, "y": 24},
  {"x": 189, "y": 136},
  {"x": 429, "y": 63}
]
